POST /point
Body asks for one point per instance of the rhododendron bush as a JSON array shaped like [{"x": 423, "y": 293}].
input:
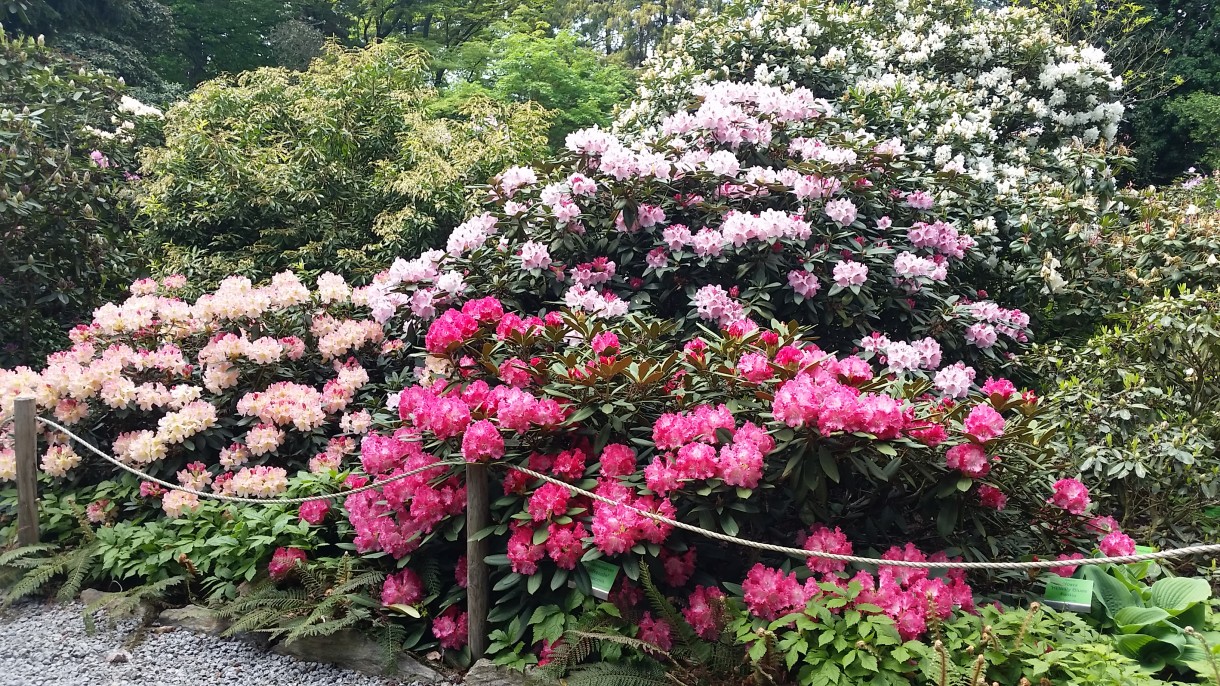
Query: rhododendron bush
[
  {"x": 230, "y": 394},
  {"x": 756, "y": 432},
  {"x": 757, "y": 203},
  {"x": 1014, "y": 123}
]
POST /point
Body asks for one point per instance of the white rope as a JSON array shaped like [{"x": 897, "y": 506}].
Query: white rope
[
  {"x": 237, "y": 499},
  {"x": 783, "y": 550}
]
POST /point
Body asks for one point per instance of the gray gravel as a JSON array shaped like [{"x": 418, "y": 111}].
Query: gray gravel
[{"x": 46, "y": 645}]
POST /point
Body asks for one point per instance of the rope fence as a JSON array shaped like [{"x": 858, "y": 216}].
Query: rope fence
[{"x": 478, "y": 518}]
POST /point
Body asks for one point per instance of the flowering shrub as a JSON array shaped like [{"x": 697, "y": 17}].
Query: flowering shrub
[
  {"x": 1012, "y": 123},
  {"x": 758, "y": 205},
  {"x": 232, "y": 394},
  {"x": 1136, "y": 411},
  {"x": 747, "y": 432}
]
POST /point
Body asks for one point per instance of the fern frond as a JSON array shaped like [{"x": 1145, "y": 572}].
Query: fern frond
[
  {"x": 309, "y": 629},
  {"x": 8, "y": 557},
  {"x": 619, "y": 674},
  {"x": 687, "y": 638}
]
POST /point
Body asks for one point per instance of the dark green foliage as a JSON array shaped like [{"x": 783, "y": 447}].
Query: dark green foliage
[{"x": 66, "y": 238}]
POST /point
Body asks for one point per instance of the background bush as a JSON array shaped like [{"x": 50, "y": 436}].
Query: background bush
[
  {"x": 66, "y": 238},
  {"x": 337, "y": 167}
]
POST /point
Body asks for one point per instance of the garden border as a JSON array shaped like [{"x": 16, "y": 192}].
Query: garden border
[{"x": 478, "y": 591}]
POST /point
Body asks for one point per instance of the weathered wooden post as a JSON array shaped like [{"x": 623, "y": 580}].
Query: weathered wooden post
[
  {"x": 26, "y": 433},
  {"x": 478, "y": 516}
]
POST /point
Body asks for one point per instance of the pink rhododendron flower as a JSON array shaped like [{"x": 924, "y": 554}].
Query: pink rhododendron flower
[
  {"x": 402, "y": 588},
  {"x": 769, "y": 593},
  {"x": 548, "y": 502},
  {"x": 1070, "y": 495},
  {"x": 565, "y": 544},
  {"x": 481, "y": 442},
  {"x": 523, "y": 554},
  {"x": 451, "y": 629},
  {"x": 968, "y": 458},
  {"x": 605, "y": 343},
  {"x": 283, "y": 561},
  {"x": 1115, "y": 544},
  {"x": 678, "y": 568},
  {"x": 848, "y": 273},
  {"x": 617, "y": 460},
  {"x": 703, "y": 612},
  {"x": 754, "y": 367},
  {"x": 1066, "y": 571},
  {"x": 823, "y": 540},
  {"x": 842, "y": 211},
  {"x": 803, "y": 283},
  {"x": 999, "y": 387},
  {"x": 992, "y": 497},
  {"x": 984, "y": 423},
  {"x": 655, "y": 631},
  {"x": 314, "y": 511}
]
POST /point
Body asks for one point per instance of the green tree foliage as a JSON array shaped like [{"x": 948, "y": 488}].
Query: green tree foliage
[
  {"x": 556, "y": 72},
  {"x": 634, "y": 28},
  {"x": 65, "y": 234},
  {"x": 336, "y": 168}
]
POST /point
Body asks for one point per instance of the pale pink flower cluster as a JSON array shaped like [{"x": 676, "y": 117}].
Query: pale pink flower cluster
[
  {"x": 842, "y": 211},
  {"x": 740, "y": 228},
  {"x": 140, "y": 447},
  {"x": 941, "y": 237},
  {"x": 258, "y": 482},
  {"x": 59, "y": 459},
  {"x": 195, "y": 476},
  {"x": 264, "y": 438},
  {"x": 848, "y": 273},
  {"x": 902, "y": 356},
  {"x": 910, "y": 266},
  {"x": 8, "y": 464},
  {"x": 356, "y": 422},
  {"x": 803, "y": 283},
  {"x": 602, "y": 305},
  {"x": 954, "y": 381},
  {"x": 332, "y": 288},
  {"x": 177, "y": 503},
  {"x": 285, "y": 403},
  {"x": 714, "y": 303},
  {"x": 194, "y": 418},
  {"x": 337, "y": 338},
  {"x": 534, "y": 255}
]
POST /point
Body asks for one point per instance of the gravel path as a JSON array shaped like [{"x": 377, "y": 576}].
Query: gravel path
[{"x": 46, "y": 645}]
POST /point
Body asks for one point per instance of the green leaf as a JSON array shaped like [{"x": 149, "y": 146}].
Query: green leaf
[
  {"x": 1109, "y": 592},
  {"x": 1131, "y": 644},
  {"x": 1131, "y": 619},
  {"x": 1177, "y": 594}
]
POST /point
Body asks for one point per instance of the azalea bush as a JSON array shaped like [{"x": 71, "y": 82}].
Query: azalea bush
[
  {"x": 338, "y": 167},
  {"x": 70, "y": 136},
  {"x": 748, "y": 432}
]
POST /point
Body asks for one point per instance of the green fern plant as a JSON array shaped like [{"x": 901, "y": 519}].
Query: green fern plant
[
  {"x": 330, "y": 598},
  {"x": 691, "y": 660},
  {"x": 140, "y": 601},
  {"x": 32, "y": 568}
]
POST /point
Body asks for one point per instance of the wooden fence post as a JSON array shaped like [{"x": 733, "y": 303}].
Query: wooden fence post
[
  {"x": 478, "y": 516},
  {"x": 27, "y": 471}
]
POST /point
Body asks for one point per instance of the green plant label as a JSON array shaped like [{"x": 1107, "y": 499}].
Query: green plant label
[
  {"x": 1142, "y": 549},
  {"x": 1075, "y": 595},
  {"x": 602, "y": 574}
]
